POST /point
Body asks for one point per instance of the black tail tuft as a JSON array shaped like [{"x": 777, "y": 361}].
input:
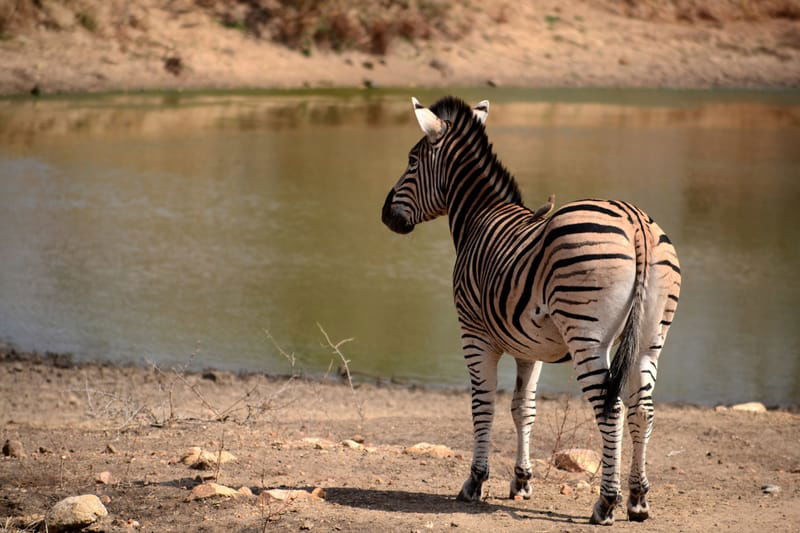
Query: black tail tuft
[{"x": 626, "y": 353}]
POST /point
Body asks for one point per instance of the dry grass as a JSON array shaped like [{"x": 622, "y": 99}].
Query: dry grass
[
  {"x": 703, "y": 11},
  {"x": 367, "y": 25}
]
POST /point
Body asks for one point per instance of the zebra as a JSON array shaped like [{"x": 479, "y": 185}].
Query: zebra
[{"x": 544, "y": 289}]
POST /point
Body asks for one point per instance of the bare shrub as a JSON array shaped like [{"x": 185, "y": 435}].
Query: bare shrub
[{"x": 365, "y": 25}]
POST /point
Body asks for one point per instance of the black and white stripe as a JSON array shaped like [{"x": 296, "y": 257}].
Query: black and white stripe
[{"x": 593, "y": 274}]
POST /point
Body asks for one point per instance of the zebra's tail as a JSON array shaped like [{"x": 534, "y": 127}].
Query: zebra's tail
[{"x": 629, "y": 339}]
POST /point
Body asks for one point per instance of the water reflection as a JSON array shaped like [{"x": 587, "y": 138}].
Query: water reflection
[{"x": 157, "y": 225}]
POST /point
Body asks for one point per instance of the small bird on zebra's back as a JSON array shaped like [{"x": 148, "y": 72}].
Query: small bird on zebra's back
[{"x": 544, "y": 289}]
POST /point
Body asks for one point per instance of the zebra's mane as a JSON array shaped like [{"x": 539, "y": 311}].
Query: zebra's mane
[{"x": 455, "y": 110}]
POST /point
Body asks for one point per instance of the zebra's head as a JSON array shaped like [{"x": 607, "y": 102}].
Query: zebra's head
[{"x": 421, "y": 192}]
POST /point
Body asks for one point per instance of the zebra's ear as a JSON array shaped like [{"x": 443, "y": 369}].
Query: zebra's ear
[
  {"x": 481, "y": 111},
  {"x": 431, "y": 125}
]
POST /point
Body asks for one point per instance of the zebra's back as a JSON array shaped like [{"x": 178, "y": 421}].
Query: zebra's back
[{"x": 542, "y": 284}]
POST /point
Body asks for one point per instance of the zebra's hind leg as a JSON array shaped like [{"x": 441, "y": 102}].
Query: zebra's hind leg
[
  {"x": 481, "y": 359},
  {"x": 591, "y": 367},
  {"x": 523, "y": 411},
  {"x": 639, "y": 401}
]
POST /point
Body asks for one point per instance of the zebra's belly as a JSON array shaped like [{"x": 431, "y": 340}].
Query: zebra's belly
[{"x": 540, "y": 342}]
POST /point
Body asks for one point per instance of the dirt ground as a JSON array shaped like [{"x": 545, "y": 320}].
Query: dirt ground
[
  {"x": 94, "y": 45},
  {"x": 706, "y": 467}
]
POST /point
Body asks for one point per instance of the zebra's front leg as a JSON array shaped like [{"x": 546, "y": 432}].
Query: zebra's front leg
[
  {"x": 523, "y": 411},
  {"x": 481, "y": 359}
]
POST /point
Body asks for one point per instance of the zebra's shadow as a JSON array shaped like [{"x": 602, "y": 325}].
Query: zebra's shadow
[{"x": 401, "y": 501}]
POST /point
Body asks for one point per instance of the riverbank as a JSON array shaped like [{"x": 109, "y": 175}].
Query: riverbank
[
  {"x": 111, "y": 46},
  {"x": 76, "y": 421}
]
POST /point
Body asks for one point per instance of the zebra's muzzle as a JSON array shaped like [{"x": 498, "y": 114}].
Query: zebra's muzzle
[{"x": 394, "y": 218}]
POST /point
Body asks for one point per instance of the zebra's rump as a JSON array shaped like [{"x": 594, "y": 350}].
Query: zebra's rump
[{"x": 542, "y": 283}]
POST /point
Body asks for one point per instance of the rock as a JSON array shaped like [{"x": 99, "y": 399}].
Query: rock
[
  {"x": 318, "y": 492},
  {"x": 211, "y": 490},
  {"x": 349, "y": 443},
  {"x": 317, "y": 443},
  {"x": 245, "y": 491},
  {"x": 201, "y": 459},
  {"x": 720, "y": 409},
  {"x": 174, "y": 65},
  {"x": 307, "y": 525},
  {"x": 105, "y": 499},
  {"x": 582, "y": 485},
  {"x": 750, "y": 407},
  {"x": 577, "y": 460},
  {"x": 14, "y": 448},
  {"x": 104, "y": 478},
  {"x": 286, "y": 495},
  {"x": 441, "y": 66},
  {"x": 430, "y": 450},
  {"x": 44, "y": 451},
  {"x": 358, "y": 438},
  {"x": 75, "y": 512},
  {"x": 770, "y": 489},
  {"x": 566, "y": 490},
  {"x": 110, "y": 448}
]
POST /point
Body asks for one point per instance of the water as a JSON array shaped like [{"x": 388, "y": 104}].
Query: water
[{"x": 155, "y": 226}]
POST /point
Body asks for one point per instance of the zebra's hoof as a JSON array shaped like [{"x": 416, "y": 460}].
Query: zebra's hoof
[
  {"x": 471, "y": 491},
  {"x": 520, "y": 485},
  {"x": 603, "y": 512},
  {"x": 638, "y": 509},
  {"x": 520, "y": 489}
]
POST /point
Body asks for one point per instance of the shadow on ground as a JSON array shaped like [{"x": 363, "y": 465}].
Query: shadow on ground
[{"x": 400, "y": 501}]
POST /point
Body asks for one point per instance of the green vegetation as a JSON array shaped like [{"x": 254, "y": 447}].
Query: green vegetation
[
  {"x": 232, "y": 24},
  {"x": 86, "y": 20}
]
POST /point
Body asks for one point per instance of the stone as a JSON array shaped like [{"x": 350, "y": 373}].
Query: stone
[
  {"x": 577, "y": 460},
  {"x": 245, "y": 491},
  {"x": 110, "y": 448},
  {"x": 358, "y": 438},
  {"x": 582, "y": 486},
  {"x": 430, "y": 450},
  {"x": 212, "y": 490},
  {"x": 286, "y": 495},
  {"x": 306, "y": 526},
  {"x": 201, "y": 459},
  {"x": 44, "y": 451},
  {"x": 565, "y": 490},
  {"x": 76, "y": 512},
  {"x": 105, "y": 499},
  {"x": 317, "y": 443},
  {"x": 318, "y": 492},
  {"x": 720, "y": 409},
  {"x": 750, "y": 407},
  {"x": 104, "y": 478},
  {"x": 349, "y": 443},
  {"x": 14, "y": 448},
  {"x": 770, "y": 489}
]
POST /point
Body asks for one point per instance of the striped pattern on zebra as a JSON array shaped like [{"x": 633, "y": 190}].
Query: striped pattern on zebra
[{"x": 567, "y": 287}]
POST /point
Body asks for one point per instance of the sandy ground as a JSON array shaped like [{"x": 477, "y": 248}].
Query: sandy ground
[
  {"x": 549, "y": 43},
  {"x": 707, "y": 468}
]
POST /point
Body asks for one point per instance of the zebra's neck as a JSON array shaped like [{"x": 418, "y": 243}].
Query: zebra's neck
[{"x": 478, "y": 185}]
